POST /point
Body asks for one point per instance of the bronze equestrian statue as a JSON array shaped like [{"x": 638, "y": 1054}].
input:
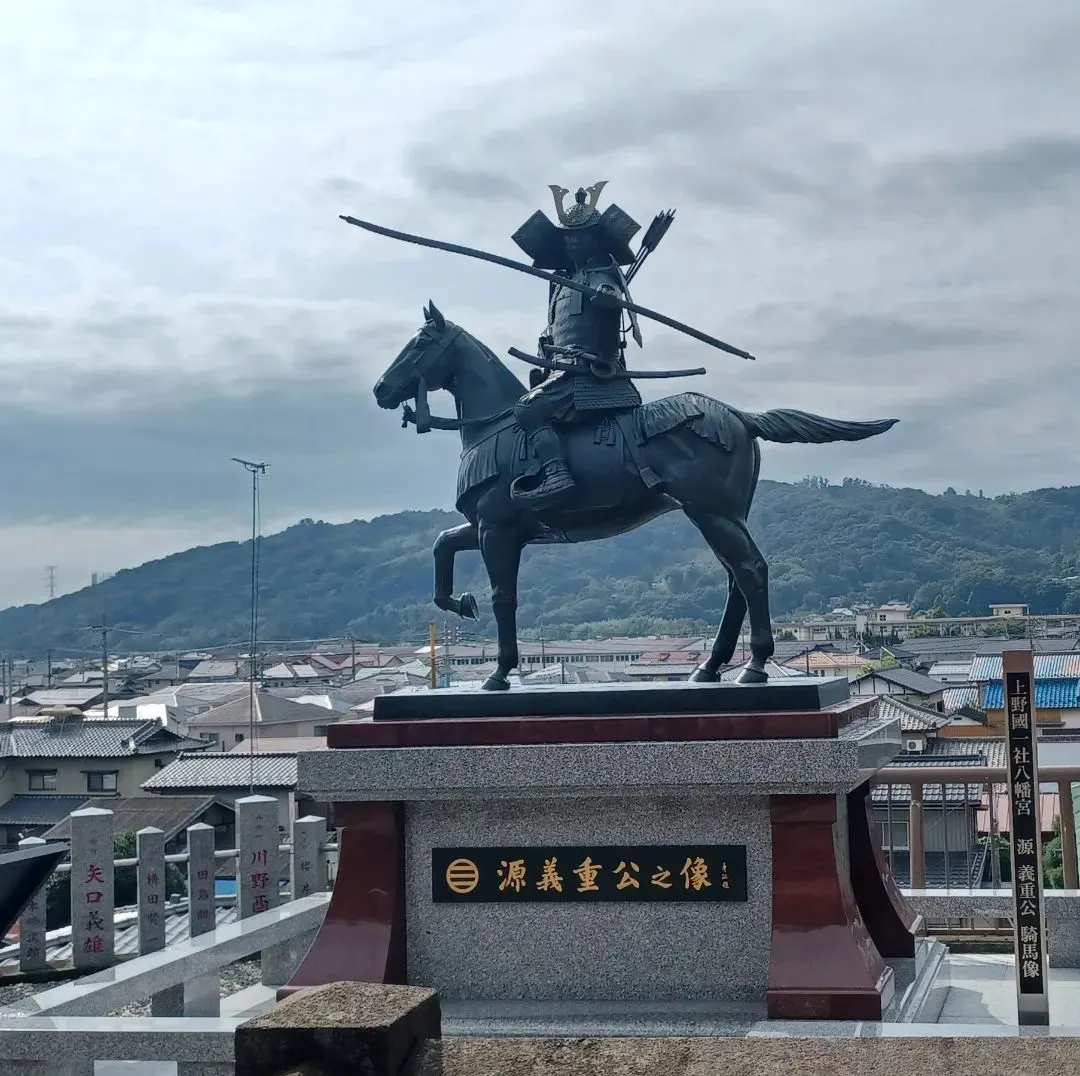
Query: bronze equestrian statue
[{"x": 578, "y": 456}]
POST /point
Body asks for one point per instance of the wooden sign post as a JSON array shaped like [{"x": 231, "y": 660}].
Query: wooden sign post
[{"x": 1032, "y": 985}]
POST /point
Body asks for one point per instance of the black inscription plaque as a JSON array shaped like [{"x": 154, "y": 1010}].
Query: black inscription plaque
[
  {"x": 562, "y": 874},
  {"x": 1030, "y": 938}
]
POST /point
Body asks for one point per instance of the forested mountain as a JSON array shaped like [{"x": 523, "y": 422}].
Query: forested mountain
[{"x": 956, "y": 552}]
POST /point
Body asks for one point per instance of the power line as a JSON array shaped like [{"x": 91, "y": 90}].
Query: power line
[
  {"x": 104, "y": 628},
  {"x": 256, "y": 470}
]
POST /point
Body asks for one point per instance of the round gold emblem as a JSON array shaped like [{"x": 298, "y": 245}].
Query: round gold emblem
[{"x": 462, "y": 876}]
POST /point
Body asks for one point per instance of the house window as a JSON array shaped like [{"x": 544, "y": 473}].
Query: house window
[
  {"x": 238, "y": 737},
  {"x": 42, "y": 780},
  {"x": 320, "y": 730},
  {"x": 101, "y": 782},
  {"x": 899, "y": 835}
]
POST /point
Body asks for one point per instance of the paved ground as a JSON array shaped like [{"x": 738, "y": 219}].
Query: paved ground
[{"x": 982, "y": 992}]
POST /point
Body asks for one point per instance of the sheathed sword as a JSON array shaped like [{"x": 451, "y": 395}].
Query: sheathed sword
[
  {"x": 557, "y": 364},
  {"x": 555, "y": 278}
]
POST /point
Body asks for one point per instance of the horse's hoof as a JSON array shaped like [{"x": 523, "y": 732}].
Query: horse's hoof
[
  {"x": 495, "y": 683},
  {"x": 751, "y": 675},
  {"x": 702, "y": 675},
  {"x": 467, "y": 607}
]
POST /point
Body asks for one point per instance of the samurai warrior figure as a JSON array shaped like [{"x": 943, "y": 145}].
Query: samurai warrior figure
[{"x": 583, "y": 342}]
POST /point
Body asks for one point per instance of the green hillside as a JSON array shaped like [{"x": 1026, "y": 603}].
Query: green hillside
[{"x": 824, "y": 542}]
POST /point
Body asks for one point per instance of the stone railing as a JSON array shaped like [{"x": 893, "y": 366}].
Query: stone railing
[
  {"x": 63, "y": 1031},
  {"x": 262, "y": 865}
]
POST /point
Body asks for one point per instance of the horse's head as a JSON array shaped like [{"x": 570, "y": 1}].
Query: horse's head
[{"x": 421, "y": 362}]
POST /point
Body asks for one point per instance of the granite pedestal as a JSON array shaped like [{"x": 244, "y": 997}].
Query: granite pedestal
[{"x": 811, "y": 940}]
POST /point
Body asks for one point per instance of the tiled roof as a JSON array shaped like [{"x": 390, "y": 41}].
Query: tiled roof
[
  {"x": 950, "y": 668},
  {"x": 34, "y": 810},
  {"x": 661, "y": 668},
  {"x": 218, "y": 670},
  {"x": 1049, "y": 695},
  {"x": 963, "y": 869},
  {"x": 78, "y": 737},
  {"x": 991, "y": 749},
  {"x": 280, "y": 745},
  {"x": 170, "y": 814},
  {"x": 912, "y": 718},
  {"x": 126, "y": 920},
  {"x": 225, "y": 771},
  {"x": 269, "y": 709},
  {"x": 66, "y": 696},
  {"x": 823, "y": 659},
  {"x": 901, "y": 794},
  {"x": 955, "y": 697},
  {"x": 987, "y": 667},
  {"x": 908, "y": 679}
]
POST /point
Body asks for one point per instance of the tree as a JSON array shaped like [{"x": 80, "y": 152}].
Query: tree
[
  {"x": 1053, "y": 868},
  {"x": 948, "y": 554},
  {"x": 125, "y": 884}
]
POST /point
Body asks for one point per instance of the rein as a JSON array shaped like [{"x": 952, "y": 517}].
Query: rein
[{"x": 433, "y": 352}]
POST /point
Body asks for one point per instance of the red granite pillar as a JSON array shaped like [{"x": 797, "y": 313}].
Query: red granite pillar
[
  {"x": 824, "y": 965},
  {"x": 362, "y": 938},
  {"x": 892, "y": 922}
]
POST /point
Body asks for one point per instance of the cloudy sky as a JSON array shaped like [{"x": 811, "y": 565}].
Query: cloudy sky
[{"x": 878, "y": 200}]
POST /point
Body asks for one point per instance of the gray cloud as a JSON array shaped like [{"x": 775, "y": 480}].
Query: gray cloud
[{"x": 877, "y": 200}]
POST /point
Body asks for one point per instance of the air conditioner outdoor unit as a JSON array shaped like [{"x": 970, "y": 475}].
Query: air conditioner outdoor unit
[{"x": 913, "y": 745}]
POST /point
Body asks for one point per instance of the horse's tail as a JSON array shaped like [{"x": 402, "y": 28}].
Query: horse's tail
[{"x": 800, "y": 427}]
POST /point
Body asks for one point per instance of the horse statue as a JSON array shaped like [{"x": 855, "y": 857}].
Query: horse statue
[{"x": 687, "y": 452}]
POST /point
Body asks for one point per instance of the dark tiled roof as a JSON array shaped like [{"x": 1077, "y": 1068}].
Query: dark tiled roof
[
  {"x": 224, "y": 771},
  {"x": 79, "y": 737},
  {"x": 170, "y": 814},
  {"x": 34, "y": 810},
  {"x": 908, "y": 679},
  {"x": 912, "y": 718},
  {"x": 961, "y": 873},
  {"x": 901, "y": 794}
]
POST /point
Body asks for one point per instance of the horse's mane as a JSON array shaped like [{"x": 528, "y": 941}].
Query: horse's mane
[{"x": 504, "y": 373}]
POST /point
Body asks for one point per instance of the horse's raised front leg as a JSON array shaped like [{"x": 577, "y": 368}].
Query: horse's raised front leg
[
  {"x": 731, "y": 542},
  {"x": 447, "y": 546},
  {"x": 501, "y": 546},
  {"x": 727, "y": 636}
]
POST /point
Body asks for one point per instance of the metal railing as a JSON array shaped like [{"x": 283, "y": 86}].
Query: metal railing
[{"x": 974, "y": 790}]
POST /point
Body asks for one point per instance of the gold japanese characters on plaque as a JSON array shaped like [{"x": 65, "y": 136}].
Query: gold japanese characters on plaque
[{"x": 598, "y": 873}]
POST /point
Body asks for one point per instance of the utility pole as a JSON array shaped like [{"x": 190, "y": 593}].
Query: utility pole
[
  {"x": 48, "y": 667},
  {"x": 103, "y": 628},
  {"x": 256, "y": 470},
  {"x": 10, "y": 687},
  {"x": 50, "y": 579},
  {"x": 432, "y": 644}
]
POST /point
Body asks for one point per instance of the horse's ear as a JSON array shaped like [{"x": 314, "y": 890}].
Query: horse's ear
[
  {"x": 435, "y": 317},
  {"x": 427, "y": 314}
]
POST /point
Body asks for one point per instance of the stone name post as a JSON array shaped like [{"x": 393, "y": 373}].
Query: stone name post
[
  {"x": 259, "y": 866},
  {"x": 32, "y": 953},
  {"x": 201, "y": 878},
  {"x": 308, "y": 873},
  {"x": 150, "y": 850},
  {"x": 202, "y": 994},
  {"x": 93, "y": 940},
  {"x": 1032, "y": 986}
]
